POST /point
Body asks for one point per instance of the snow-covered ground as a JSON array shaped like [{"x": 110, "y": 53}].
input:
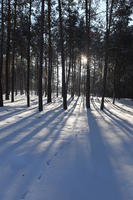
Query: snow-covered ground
[{"x": 66, "y": 155}]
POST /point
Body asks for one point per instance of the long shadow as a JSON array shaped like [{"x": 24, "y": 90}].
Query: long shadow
[
  {"x": 18, "y": 109},
  {"x": 15, "y": 110},
  {"x": 119, "y": 108},
  {"x": 26, "y": 123},
  {"x": 118, "y": 123},
  {"x": 54, "y": 129},
  {"x": 25, "y": 119},
  {"x": 127, "y": 103},
  {"x": 104, "y": 183},
  {"x": 122, "y": 124},
  {"x": 41, "y": 120}
]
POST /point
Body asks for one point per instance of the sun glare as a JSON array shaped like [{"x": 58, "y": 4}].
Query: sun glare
[{"x": 84, "y": 59}]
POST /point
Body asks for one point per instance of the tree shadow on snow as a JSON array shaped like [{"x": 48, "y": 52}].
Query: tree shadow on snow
[
  {"x": 54, "y": 120},
  {"x": 104, "y": 184}
]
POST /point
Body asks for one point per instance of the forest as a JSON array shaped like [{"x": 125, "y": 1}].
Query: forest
[
  {"x": 66, "y": 47},
  {"x": 66, "y": 99}
]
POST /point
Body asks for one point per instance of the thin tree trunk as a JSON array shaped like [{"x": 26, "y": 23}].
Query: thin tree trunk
[
  {"x": 41, "y": 58},
  {"x": 28, "y": 56},
  {"x": 1, "y": 53},
  {"x": 21, "y": 76},
  {"x": 36, "y": 76},
  {"x": 114, "y": 85},
  {"x": 88, "y": 18},
  {"x": 14, "y": 46},
  {"x": 49, "y": 53},
  {"x": 108, "y": 25},
  {"x": 68, "y": 76},
  {"x": 57, "y": 94},
  {"x": 46, "y": 77},
  {"x": 70, "y": 46},
  {"x": 64, "y": 92},
  {"x": 8, "y": 51},
  {"x": 94, "y": 77},
  {"x": 79, "y": 88}
]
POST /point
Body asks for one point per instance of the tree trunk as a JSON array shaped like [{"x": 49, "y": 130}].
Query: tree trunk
[
  {"x": 14, "y": 48},
  {"x": 88, "y": 18},
  {"x": 8, "y": 50},
  {"x": 49, "y": 53},
  {"x": 79, "y": 88},
  {"x": 1, "y": 53},
  {"x": 108, "y": 25},
  {"x": 64, "y": 92},
  {"x": 57, "y": 93},
  {"x": 94, "y": 77},
  {"x": 28, "y": 56},
  {"x": 41, "y": 59}
]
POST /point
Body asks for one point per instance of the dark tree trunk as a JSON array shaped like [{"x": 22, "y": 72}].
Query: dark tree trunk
[
  {"x": 28, "y": 55},
  {"x": 70, "y": 46},
  {"x": 94, "y": 77},
  {"x": 49, "y": 53},
  {"x": 79, "y": 88},
  {"x": 36, "y": 75},
  {"x": 114, "y": 82},
  {"x": 41, "y": 59},
  {"x": 108, "y": 25},
  {"x": 8, "y": 51},
  {"x": 46, "y": 77},
  {"x": 57, "y": 94},
  {"x": 64, "y": 92},
  {"x": 13, "y": 53},
  {"x": 1, "y": 53},
  {"x": 21, "y": 76},
  {"x": 88, "y": 15}
]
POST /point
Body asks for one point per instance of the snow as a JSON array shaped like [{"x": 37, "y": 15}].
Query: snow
[{"x": 66, "y": 155}]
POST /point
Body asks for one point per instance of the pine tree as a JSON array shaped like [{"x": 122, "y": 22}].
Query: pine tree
[
  {"x": 28, "y": 54},
  {"x": 49, "y": 53},
  {"x": 14, "y": 50},
  {"x": 1, "y": 52},
  {"x": 8, "y": 49},
  {"x": 62, "y": 58},
  {"x": 88, "y": 20},
  {"x": 41, "y": 58}
]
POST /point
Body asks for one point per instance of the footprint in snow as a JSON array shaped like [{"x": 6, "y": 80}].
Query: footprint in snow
[
  {"x": 39, "y": 177},
  {"x": 56, "y": 154},
  {"x": 48, "y": 162},
  {"x": 24, "y": 195},
  {"x": 39, "y": 117}
]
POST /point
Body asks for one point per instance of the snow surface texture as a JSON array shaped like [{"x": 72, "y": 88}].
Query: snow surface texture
[{"x": 66, "y": 155}]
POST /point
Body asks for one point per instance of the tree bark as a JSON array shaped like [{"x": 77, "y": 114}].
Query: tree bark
[
  {"x": 28, "y": 56},
  {"x": 49, "y": 53},
  {"x": 108, "y": 25},
  {"x": 8, "y": 50},
  {"x": 14, "y": 48},
  {"x": 88, "y": 19},
  {"x": 57, "y": 93},
  {"x": 1, "y": 52},
  {"x": 41, "y": 58},
  {"x": 79, "y": 88},
  {"x": 64, "y": 92}
]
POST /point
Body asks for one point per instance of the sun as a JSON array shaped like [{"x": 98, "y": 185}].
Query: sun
[{"x": 84, "y": 59}]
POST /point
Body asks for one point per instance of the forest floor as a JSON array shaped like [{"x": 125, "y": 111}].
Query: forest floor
[{"x": 66, "y": 155}]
